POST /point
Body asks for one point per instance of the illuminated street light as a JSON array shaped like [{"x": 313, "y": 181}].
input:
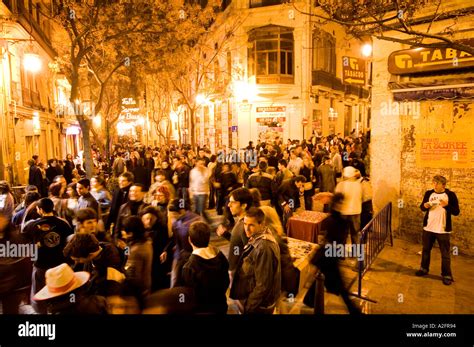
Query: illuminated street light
[
  {"x": 201, "y": 99},
  {"x": 367, "y": 50},
  {"x": 32, "y": 62},
  {"x": 97, "y": 121},
  {"x": 244, "y": 91}
]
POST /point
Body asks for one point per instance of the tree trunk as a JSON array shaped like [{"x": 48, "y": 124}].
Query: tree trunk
[
  {"x": 85, "y": 127},
  {"x": 107, "y": 140},
  {"x": 192, "y": 128}
]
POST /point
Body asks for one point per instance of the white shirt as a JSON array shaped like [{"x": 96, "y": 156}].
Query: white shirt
[
  {"x": 295, "y": 165},
  {"x": 437, "y": 214},
  {"x": 199, "y": 181},
  {"x": 352, "y": 190}
]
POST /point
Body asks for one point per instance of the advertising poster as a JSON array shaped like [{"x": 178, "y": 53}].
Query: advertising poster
[{"x": 442, "y": 151}]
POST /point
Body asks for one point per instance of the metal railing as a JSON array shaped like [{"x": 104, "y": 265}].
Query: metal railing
[{"x": 373, "y": 237}]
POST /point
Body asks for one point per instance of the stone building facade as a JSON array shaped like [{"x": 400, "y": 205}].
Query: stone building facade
[
  {"x": 33, "y": 122},
  {"x": 285, "y": 77},
  {"x": 423, "y": 125}
]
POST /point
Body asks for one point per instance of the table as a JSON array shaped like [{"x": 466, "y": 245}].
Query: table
[{"x": 306, "y": 225}]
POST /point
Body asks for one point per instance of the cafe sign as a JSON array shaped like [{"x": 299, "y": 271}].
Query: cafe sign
[{"x": 417, "y": 60}]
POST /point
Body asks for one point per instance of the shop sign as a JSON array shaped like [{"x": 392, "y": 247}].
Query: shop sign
[
  {"x": 272, "y": 111},
  {"x": 353, "y": 71},
  {"x": 429, "y": 59}
]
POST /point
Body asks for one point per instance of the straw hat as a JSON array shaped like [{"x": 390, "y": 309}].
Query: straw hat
[{"x": 61, "y": 280}]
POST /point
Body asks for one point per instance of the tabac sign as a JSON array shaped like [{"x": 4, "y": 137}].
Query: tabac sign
[
  {"x": 428, "y": 59},
  {"x": 353, "y": 71}
]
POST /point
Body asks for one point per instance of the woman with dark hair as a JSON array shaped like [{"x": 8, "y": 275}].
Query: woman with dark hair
[
  {"x": 60, "y": 204},
  {"x": 156, "y": 225},
  {"x": 101, "y": 194},
  {"x": 139, "y": 263},
  {"x": 30, "y": 198},
  {"x": 7, "y": 202},
  {"x": 68, "y": 167},
  {"x": 72, "y": 202}
]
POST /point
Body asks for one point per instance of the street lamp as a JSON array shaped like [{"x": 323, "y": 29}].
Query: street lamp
[
  {"x": 32, "y": 62},
  {"x": 367, "y": 50}
]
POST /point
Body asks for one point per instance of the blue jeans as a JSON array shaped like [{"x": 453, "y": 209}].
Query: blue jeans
[{"x": 199, "y": 202}]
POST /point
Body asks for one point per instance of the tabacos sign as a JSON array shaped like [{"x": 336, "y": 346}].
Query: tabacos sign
[{"x": 417, "y": 60}]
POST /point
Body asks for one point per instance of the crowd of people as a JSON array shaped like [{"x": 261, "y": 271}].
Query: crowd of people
[{"x": 135, "y": 237}]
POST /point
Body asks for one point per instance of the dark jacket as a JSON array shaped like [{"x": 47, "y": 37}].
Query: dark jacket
[
  {"x": 263, "y": 182},
  {"x": 130, "y": 208},
  {"x": 289, "y": 194},
  {"x": 36, "y": 178},
  {"x": 451, "y": 209},
  {"x": 83, "y": 303},
  {"x": 290, "y": 275},
  {"x": 138, "y": 267},
  {"x": 208, "y": 274},
  {"x": 181, "y": 232},
  {"x": 119, "y": 198},
  {"x": 228, "y": 182},
  {"x": 15, "y": 273},
  {"x": 68, "y": 167},
  {"x": 51, "y": 233},
  {"x": 183, "y": 176},
  {"x": 161, "y": 243},
  {"x": 52, "y": 172},
  {"x": 88, "y": 201},
  {"x": 238, "y": 239},
  {"x": 326, "y": 178},
  {"x": 257, "y": 279}
]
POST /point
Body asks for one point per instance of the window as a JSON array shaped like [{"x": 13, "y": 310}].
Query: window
[
  {"x": 271, "y": 54},
  {"x": 324, "y": 52}
]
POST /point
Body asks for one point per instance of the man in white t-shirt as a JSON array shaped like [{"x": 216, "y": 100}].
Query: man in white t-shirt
[{"x": 439, "y": 204}]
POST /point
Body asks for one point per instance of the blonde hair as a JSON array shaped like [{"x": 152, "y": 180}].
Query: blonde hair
[{"x": 272, "y": 220}]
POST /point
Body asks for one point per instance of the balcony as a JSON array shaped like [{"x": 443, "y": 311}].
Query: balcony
[
  {"x": 326, "y": 79},
  {"x": 31, "y": 99},
  {"x": 262, "y": 3},
  {"x": 33, "y": 19},
  {"x": 358, "y": 91}
]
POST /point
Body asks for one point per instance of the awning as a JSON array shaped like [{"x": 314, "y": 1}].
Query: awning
[{"x": 430, "y": 91}]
